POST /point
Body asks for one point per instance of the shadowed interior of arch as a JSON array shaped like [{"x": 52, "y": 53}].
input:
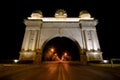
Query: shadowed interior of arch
[{"x": 61, "y": 48}]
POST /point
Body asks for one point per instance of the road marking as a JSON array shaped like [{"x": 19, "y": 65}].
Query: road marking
[{"x": 61, "y": 75}]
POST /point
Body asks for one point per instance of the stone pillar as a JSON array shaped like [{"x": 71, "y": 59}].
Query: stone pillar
[
  {"x": 93, "y": 52},
  {"x": 29, "y": 45}
]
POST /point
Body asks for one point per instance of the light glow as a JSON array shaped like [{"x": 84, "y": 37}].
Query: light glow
[
  {"x": 52, "y": 49},
  {"x": 105, "y": 61},
  {"x": 65, "y": 54},
  {"x": 16, "y": 61}
]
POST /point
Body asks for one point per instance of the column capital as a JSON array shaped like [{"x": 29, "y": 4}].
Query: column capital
[{"x": 88, "y": 23}]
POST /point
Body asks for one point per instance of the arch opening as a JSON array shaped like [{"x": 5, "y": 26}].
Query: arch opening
[{"x": 61, "y": 49}]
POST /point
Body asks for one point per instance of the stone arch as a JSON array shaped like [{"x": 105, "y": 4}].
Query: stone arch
[{"x": 61, "y": 36}]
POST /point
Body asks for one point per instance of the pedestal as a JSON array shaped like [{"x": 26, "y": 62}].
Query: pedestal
[
  {"x": 27, "y": 55},
  {"x": 94, "y": 56}
]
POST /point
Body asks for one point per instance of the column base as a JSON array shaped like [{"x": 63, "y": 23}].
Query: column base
[
  {"x": 83, "y": 59},
  {"x": 94, "y": 56},
  {"x": 27, "y": 55}
]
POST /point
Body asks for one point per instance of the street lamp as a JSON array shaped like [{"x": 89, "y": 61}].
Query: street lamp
[
  {"x": 16, "y": 61},
  {"x": 65, "y": 54},
  {"x": 55, "y": 54},
  {"x": 52, "y": 49}
]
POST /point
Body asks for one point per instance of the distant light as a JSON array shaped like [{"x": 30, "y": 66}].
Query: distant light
[
  {"x": 55, "y": 54},
  {"x": 52, "y": 49},
  {"x": 16, "y": 61},
  {"x": 65, "y": 54},
  {"x": 105, "y": 61}
]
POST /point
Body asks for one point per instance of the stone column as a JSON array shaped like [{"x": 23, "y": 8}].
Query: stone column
[
  {"x": 88, "y": 38},
  {"x": 26, "y": 40},
  {"x": 37, "y": 39},
  {"x": 96, "y": 45},
  {"x": 32, "y": 40}
]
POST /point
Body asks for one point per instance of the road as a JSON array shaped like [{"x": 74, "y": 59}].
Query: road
[{"x": 58, "y": 71}]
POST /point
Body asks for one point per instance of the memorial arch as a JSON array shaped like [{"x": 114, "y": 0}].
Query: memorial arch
[{"x": 40, "y": 30}]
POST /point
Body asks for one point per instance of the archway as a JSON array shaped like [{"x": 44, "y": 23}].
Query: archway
[{"x": 61, "y": 48}]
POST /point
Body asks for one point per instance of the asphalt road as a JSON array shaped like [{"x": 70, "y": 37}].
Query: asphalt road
[{"x": 58, "y": 71}]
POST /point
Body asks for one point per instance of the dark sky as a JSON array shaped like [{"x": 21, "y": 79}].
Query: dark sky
[{"x": 13, "y": 13}]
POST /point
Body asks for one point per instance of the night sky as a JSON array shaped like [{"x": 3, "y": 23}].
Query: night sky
[{"x": 14, "y": 12}]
